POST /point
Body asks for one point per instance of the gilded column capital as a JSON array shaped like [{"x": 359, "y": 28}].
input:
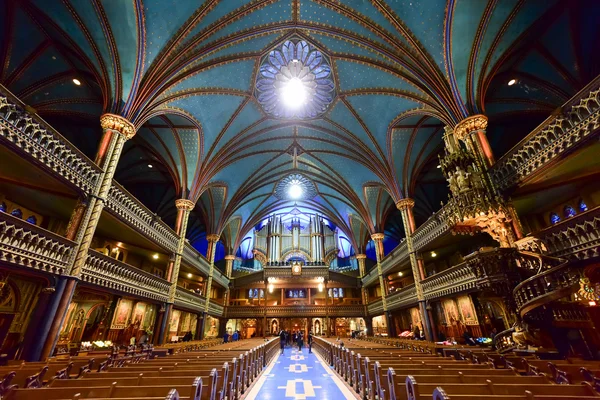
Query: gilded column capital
[
  {"x": 213, "y": 237},
  {"x": 184, "y": 204},
  {"x": 405, "y": 204},
  {"x": 361, "y": 256},
  {"x": 377, "y": 236},
  {"x": 117, "y": 123},
  {"x": 229, "y": 257},
  {"x": 473, "y": 123}
]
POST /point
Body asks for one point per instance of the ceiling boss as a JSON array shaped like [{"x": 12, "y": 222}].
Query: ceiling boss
[{"x": 295, "y": 81}]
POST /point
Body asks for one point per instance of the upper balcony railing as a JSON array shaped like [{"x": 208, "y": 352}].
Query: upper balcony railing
[
  {"x": 188, "y": 300},
  {"x": 193, "y": 258},
  {"x": 104, "y": 271},
  {"x": 579, "y": 119},
  {"x": 135, "y": 214},
  {"x": 27, "y": 245},
  {"x": 456, "y": 279},
  {"x": 295, "y": 311},
  {"x": 577, "y": 237},
  {"x": 430, "y": 230},
  {"x": 404, "y": 297},
  {"x": 30, "y": 135}
]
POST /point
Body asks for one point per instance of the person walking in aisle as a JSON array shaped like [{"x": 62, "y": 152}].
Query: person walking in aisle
[
  {"x": 282, "y": 340},
  {"x": 300, "y": 341},
  {"x": 310, "y": 342}
]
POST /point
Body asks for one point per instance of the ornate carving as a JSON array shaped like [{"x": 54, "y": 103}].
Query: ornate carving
[
  {"x": 377, "y": 236},
  {"x": 470, "y": 124},
  {"x": 184, "y": 204},
  {"x": 361, "y": 256},
  {"x": 405, "y": 204},
  {"x": 118, "y": 124},
  {"x": 212, "y": 237}
]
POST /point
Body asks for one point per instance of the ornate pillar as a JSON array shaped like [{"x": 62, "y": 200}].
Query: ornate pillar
[
  {"x": 361, "y": 258},
  {"x": 471, "y": 131},
  {"x": 326, "y": 306},
  {"x": 228, "y": 271},
  {"x": 184, "y": 207},
  {"x": 405, "y": 206},
  {"x": 84, "y": 220},
  {"x": 378, "y": 240},
  {"x": 210, "y": 254},
  {"x": 265, "y": 331}
]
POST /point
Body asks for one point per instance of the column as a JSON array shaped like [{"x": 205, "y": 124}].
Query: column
[
  {"x": 378, "y": 240},
  {"x": 184, "y": 207},
  {"x": 228, "y": 271},
  {"x": 308, "y": 293},
  {"x": 406, "y": 206},
  {"x": 210, "y": 255},
  {"x": 282, "y": 296},
  {"x": 82, "y": 226},
  {"x": 472, "y": 131},
  {"x": 197, "y": 335},
  {"x": 326, "y": 307}
]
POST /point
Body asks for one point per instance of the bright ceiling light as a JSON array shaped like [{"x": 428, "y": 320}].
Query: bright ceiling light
[
  {"x": 150, "y": 166},
  {"x": 512, "y": 82},
  {"x": 400, "y": 273},
  {"x": 77, "y": 81},
  {"x": 155, "y": 256},
  {"x": 433, "y": 254},
  {"x": 320, "y": 286},
  {"x": 439, "y": 166},
  {"x": 295, "y": 191},
  {"x": 271, "y": 287},
  {"x": 190, "y": 275},
  {"x": 293, "y": 93}
]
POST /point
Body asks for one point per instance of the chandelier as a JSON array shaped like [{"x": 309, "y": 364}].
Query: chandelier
[{"x": 295, "y": 81}]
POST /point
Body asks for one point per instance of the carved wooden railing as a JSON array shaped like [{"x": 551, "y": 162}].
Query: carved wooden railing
[
  {"x": 576, "y": 238},
  {"x": 215, "y": 308},
  {"x": 459, "y": 278},
  {"x": 249, "y": 279},
  {"x": 405, "y": 297},
  {"x": 27, "y": 245},
  {"x": 344, "y": 279},
  {"x": 375, "y": 307},
  {"x": 547, "y": 286},
  {"x": 307, "y": 271},
  {"x": 135, "y": 214},
  {"x": 293, "y": 311},
  {"x": 579, "y": 119},
  {"x": 432, "y": 229},
  {"x": 30, "y": 135},
  {"x": 188, "y": 300},
  {"x": 194, "y": 259},
  {"x": 107, "y": 272}
]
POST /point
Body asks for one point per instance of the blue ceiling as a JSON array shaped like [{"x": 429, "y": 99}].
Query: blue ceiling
[{"x": 184, "y": 71}]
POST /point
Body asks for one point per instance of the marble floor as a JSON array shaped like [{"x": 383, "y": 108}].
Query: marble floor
[{"x": 300, "y": 376}]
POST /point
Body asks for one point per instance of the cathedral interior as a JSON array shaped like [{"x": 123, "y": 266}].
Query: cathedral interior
[{"x": 418, "y": 176}]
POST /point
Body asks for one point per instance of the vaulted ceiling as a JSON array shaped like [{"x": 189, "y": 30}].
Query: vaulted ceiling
[{"x": 184, "y": 73}]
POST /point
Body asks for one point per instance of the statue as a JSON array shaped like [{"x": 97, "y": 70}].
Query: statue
[
  {"x": 476, "y": 178},
  {"x": 452, "y": 183},
  {"x": 524, "y": 337},
  {"x": 462, "y": 178}
]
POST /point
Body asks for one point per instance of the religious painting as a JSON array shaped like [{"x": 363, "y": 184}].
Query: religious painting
[
  {"x": 185, "y": 322},
  {"x": 211, "y": 327},
  {"x": 415, "y": 316},
  {"x": 450, "y": 311},
  {"x": 274, "y": 326},
  {"x": 175, "y": 317},
  {"x": 317, "y": 326},
  {"x": 138, "y": 314},
  {"x": 380, "y": 325},
  {"x": 122, "y": 314},
  {"x": 465, "y": 305}
]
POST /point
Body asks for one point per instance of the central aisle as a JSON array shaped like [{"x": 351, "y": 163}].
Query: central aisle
[{"x": 299, "y": 375}]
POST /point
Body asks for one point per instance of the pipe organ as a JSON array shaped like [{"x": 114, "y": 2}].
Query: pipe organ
[{"x": 283, "y": 238}]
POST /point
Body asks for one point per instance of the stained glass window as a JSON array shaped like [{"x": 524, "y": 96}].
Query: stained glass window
[
  {"x": 569, "y": 212},
  {"x": 32, "y": 220},
  {"x": 17, "y": 213},
  {"x": 554, "y": 218},
  {"x": 2, "y": 207},
  {"x": 582, "y": 206}
]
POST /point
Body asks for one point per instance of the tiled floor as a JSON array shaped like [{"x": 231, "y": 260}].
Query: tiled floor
[{"x": 300, "y": 376}]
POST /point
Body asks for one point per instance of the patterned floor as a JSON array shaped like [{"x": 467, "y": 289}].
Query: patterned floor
[{"x": 300, "y": 376}]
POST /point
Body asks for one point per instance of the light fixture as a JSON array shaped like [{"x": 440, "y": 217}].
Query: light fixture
[
  {"x": 512, "y": 82},
  {"x": 119, "y": 244},
  {"x": 293, "y": 93},
  {"x": 320, "y": 286},
  {"x": 433, "y": 254},
  {"x": 77, "y": 81},
  {"x": 150, "y": 166},
  {"x": 190, "y": 275},
  {"x": 439, "y": 166},
  {"x": 400, "y": 273},
  {"x": 155, "y": 256},
  {"x": 592, "y": 303},
  {"x": 295, "y": 190},
  {"x": 271, "y": 287}
]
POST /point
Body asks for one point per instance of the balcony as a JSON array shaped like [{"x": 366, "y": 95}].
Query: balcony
[
  {"x": 26, "y": 245},
  {"x": 285, "y": 271},
  {"x": 429, "y": 231},
  {"x": 405, "y": 297},
  {"x": 459, "y": 278},
  {"x": 552, "y": 139},
  {"x": 107, "y": 272},
  {"x": 193, "y": 258},
  {"x": 295, "y": 311},
  {"x": 575, "y": 238},
  {"x": 132, "y": 212},
  {"x": 31, "y": 136},
  {"x": 189, "y": 300},
  {"x": 375, "y": 307}
]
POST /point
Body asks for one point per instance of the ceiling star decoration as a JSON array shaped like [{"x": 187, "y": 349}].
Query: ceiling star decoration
[
  {"x": 295, "y": 81},
  {"x": 295, "y": 187}
]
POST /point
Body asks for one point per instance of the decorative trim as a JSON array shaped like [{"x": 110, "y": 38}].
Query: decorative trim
[
  {"x": 184, "y": 204},
  {"x": 405, "y": 204},
  {"x": 377, "y": 236},
  {"x": 119, "y": 124},
  {"x": 213, "y": 237},
  {"x": 470, "y": 124}
]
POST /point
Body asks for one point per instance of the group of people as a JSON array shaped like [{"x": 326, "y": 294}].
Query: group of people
[
  {"x": 297, "y": 337},
  {"x": 234, "y": 337}
]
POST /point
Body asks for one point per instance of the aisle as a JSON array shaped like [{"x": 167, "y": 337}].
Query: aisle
[{"x": 299, "y": 376}]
